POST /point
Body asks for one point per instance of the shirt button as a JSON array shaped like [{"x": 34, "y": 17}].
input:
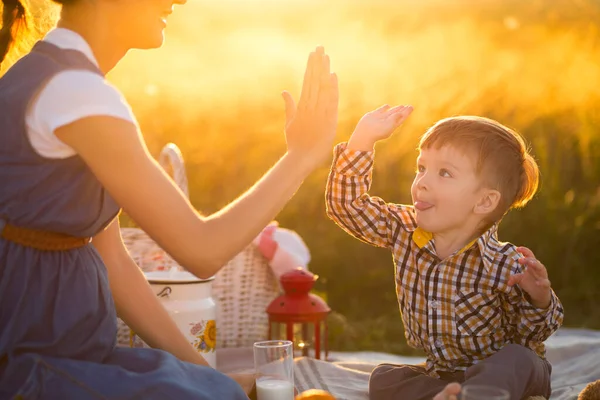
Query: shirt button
[
  {"x": 438, "y": 343},
  {"x": 434, "y": 303}
]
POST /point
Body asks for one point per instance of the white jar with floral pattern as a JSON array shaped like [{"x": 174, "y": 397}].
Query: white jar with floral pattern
[{"x": 189, "y": 301}]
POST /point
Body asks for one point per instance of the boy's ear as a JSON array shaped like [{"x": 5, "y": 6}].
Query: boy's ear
[{"x": 487, "y": 202}]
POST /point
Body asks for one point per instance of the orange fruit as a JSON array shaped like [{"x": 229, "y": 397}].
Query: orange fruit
[{"x": 315, "y": 394}]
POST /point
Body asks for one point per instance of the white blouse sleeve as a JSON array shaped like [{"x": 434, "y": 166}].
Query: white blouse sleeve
[{"x": 66, "y": 98}]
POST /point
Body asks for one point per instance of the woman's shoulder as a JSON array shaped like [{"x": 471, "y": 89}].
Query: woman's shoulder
[
  {"x": 73, "y": 94},
  {"x": 82, "y": 85},
  {"x": 68, "y": 96}
]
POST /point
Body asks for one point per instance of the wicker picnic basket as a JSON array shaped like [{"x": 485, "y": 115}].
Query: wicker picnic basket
[{"x": 242, "y": 289}]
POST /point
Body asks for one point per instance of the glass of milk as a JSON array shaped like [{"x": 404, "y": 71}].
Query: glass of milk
[{"x": 274, "y": 365}]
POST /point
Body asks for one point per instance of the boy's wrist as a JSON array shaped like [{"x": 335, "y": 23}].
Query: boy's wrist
[
  {"x": 360, "y": 142},
  {"x": 541, "y": 302}
]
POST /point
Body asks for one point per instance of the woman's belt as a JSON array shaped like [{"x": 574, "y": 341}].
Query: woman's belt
[{"x": 39, "y": 239}]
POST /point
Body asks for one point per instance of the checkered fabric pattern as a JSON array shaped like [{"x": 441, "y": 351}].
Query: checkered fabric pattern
[{"x": 459, "y": 310}]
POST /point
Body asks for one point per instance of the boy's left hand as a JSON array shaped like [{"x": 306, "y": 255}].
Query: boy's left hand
[{"x": 533, "y": 280}]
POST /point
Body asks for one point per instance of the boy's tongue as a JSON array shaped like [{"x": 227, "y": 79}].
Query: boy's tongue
[{"x": 422, "y": 206}]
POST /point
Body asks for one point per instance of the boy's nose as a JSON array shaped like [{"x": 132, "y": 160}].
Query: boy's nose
[{"x": 422, "y": 182}]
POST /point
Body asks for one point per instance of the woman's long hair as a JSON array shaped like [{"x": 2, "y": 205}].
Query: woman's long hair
[{"x": 16, "y": 20}]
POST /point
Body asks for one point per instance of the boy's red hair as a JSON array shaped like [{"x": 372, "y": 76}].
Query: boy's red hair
[{"x": 503, "y": 160}]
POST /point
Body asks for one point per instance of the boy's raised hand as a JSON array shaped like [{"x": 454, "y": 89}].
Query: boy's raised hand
[
  {"x": 377, "y": 125},
  {"x": 533, "y": 280}
]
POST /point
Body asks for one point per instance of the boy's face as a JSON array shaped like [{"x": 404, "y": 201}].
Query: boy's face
[{"x": 446, "y": 191}]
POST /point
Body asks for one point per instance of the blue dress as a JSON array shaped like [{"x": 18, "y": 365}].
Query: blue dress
[{"x": 57, "y": 317}]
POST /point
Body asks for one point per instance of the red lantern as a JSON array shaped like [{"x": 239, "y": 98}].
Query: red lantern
[{"x": 296, "y": 310}]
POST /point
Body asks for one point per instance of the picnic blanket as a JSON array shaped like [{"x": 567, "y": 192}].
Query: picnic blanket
[{"x": 574, "y": 354}]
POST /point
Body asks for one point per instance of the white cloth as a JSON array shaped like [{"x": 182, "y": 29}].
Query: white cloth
[
  {"x": 573, "y": 353},
  {"x": 292, "y": 243},
  {"x": 291, "y": 251},
  {"x": 70, "y": 96}
]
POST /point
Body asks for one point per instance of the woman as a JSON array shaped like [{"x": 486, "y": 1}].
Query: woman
[{"x": 71, "y": 157}]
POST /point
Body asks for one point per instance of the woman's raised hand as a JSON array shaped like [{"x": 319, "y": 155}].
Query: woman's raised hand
[{"x": 311, "y": 125}]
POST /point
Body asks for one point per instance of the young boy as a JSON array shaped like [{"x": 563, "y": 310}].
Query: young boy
[{"x": 478, "y": 309}]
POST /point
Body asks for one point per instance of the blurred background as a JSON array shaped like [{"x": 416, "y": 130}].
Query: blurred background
[{"x": 214, "y": 90}]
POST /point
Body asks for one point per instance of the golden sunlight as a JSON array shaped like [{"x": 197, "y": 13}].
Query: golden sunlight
[{"x": 233, "y": 52}]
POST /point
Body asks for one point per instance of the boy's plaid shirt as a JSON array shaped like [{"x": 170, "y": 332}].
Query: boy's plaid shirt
[{"x": 459, "y": 310}]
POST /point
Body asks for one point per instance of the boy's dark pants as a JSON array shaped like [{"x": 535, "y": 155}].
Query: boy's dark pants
[{"x": 514, "y": 368}]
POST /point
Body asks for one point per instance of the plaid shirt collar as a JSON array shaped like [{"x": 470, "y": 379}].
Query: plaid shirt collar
[{"x": 485, "y": 244}]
